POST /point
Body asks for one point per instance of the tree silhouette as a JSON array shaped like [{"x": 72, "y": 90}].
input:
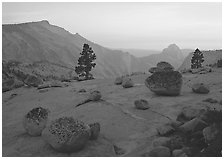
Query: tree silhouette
[
  {"x": 85, "y": 62},
  {"x": 197, "y": 59}
]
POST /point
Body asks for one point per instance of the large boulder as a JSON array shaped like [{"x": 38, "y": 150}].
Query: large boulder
[
  {"x": 33, "y": 81},
  {"x": 35, "y": 121},
  {"x": 167, "y": 83},
  {"x": 161, "y": 141},
  {"x": 127, "y": 82},
  {"x": 200, "y": 88},
  {"x": 67, "y": 134}
]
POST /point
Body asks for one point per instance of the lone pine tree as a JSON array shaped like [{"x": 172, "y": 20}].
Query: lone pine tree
[
  {"x": 197, "y": 59},
  {"x": 85, "y": 62}
]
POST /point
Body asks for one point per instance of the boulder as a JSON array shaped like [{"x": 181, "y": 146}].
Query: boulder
[
  {"x": 35, "y": 121},
  {"x": 127, "y": 82},
  {"x": 10, "y": 84},
  {"x": 188, "y": 113},
  {"x": 160, "y": 151},
  {"x": 141, "y": 104},
  {"x": 33, "y": 81},
  {"x": 165, "y": 83},
  {"x": 43, "y": 86},
  {"x": 210, "y": 133},
  {"x": 66, "y": 134},
  {"x": 165, "y": 129},
  {"x": 176, "y": 142},
  {"x": 193, "y": 125},
  {"x": 161, "y": 141},
  {"x": 165, "y": 66},
  {"x": 200, "y": 88},
  {"x": 95, "y": 96},
  {"x": 118, "y": 80},
  {"x": 95, "y": 130}
]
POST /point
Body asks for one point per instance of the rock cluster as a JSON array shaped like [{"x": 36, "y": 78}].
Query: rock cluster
[
  {"x": 35, "y": 121},
  {"x": 196, "y": 131}
]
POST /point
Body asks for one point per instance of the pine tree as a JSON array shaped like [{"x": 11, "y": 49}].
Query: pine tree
[
  {"x": 197, "y": 59},
  {"x": 85, "y": 62}
]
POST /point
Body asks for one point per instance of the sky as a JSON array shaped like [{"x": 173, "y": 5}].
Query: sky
[{"x": 147, "y": 25}]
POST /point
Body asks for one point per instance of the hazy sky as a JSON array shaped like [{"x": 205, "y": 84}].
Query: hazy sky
[{"x": 129, "y": 25}]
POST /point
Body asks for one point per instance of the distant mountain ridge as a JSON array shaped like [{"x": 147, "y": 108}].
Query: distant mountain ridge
[
  {"x": 41, "y": 41},
  {"x": 171, "y": 54}
]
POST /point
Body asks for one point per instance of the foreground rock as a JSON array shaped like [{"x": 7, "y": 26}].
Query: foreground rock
[
  {"x": 160, "y": 151},
  {"x": 165, "y": 83},
  {"x": 66, "y": 134},
  {"x": 141, "y": 104},
  {"x": 200, "y": 88},
  {"x": 210, "y": 133},
  {"x": 179, "y": 153},
  {"x": 35, "y": 121},
  {"x": 161, "y": 141},
  {"x": 127, "y": 83},
  {"x": 165, "y": 129},
  {"x": 193, "y": 125}
]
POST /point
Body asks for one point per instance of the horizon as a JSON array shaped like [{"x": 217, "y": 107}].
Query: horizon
[{"x": 114, "y": 30}]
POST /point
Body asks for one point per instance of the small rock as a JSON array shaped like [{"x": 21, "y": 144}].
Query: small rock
[
  {"x": 33, "y": 81},
  {"x": 118, "y": 150},
  {"x": 127, "y": 83},
  {"x": 193, "y": 125},
  {"x": 82, "y": 91},
  {"x": 160, "y": 151},
  {"x": 179, "y": 153},
  {"x": 163, "y": 65},
  {"x": 43, "y": 90},
  {"x": 142, "y": 104},
  {"x": 175, "y": 124},
  {"x": 95, "y": 130},
  {"x": 43, "y": 86},
  {"x": 165, "y": 130},
  {"x": 210, "y": 133},
  {"x": 210, "y": 100},
  {"x": 200, "y": 88},
  {"x": 118, "y": 80},
  {"x": 95, "y": 96},
  {"x": 161, "y": 141}
]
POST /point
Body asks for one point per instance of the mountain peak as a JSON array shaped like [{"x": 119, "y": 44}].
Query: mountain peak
[{"x": 173, "y": 46}]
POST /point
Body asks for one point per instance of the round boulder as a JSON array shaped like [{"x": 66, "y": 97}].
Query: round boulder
[
  {"x": 200, "y": 88},
  {"x": 141, "y": 104},
  {"x": 66, "y": 134},
  {"x": 33, "y": 81},
  {"x": 35, "y": 121},
  {"x": 165, "y": 83},
  {"x": 127, "y": 83}
]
